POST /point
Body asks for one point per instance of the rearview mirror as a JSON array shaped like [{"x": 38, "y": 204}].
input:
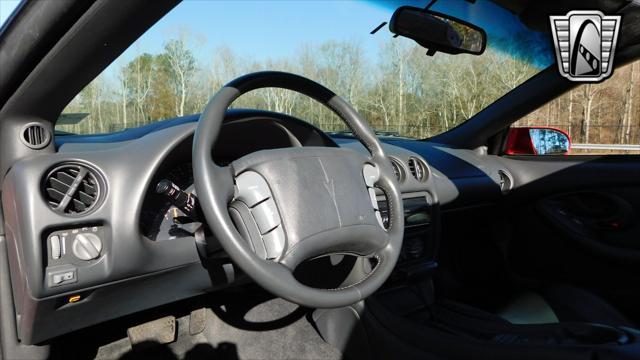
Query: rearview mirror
[
  {"x": 438, "y": 32},
  {"x": 537, "y": 141}
]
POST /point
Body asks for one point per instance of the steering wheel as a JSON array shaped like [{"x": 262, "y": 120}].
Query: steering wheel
[{"x": 272, "y": 209}]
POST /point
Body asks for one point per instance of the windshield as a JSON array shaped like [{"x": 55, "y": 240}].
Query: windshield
[{"x": 178, "y": 64}]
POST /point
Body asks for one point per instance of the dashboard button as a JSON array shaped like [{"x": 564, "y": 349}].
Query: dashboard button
[
  {"x": 274, "y": 242},
  {"x": 251, "y": 188},
  {"x": 379, "y": 218},
  {"x": 56, "y": 248},
  {"x": 57, "y": 278},
  {"x": 61, "y": 275},
  {"x": 66, "y": 276},
  {"x": 266, "y": 216},
  {"x": 374, "y": 201},
  {"x": 371, "y": 174}
]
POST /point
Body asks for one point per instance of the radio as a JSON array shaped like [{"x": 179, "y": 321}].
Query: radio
[{"x": 421, "y": 230}]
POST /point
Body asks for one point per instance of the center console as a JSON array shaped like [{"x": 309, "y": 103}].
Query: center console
[
  {"x": 405, "y": 317},
  {"x": 421, "y": 236}
]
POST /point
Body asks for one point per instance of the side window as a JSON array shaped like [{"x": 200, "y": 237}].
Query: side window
[{"x": 598, "y": 119}]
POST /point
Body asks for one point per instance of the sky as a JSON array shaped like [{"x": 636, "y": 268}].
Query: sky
[
  {"x": 6, "y": 8},
  {"x": 261, "y": 30}
]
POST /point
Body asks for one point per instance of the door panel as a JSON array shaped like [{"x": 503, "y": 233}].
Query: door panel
[
  {"x": 603, "y": 221},
  {"x": 577, "y": 221}
]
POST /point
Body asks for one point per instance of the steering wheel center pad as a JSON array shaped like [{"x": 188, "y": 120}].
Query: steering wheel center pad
[{"x": 322, "y": 201}]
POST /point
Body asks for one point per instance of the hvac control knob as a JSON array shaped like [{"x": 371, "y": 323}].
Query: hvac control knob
[{"x": 87, "y": 246}]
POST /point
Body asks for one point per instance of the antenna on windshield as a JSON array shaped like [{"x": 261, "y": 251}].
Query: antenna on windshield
[
  {"x": 430, "y": 4},
  {"x": 378, "y": 28},
  {"x": 385, "y": 23}
]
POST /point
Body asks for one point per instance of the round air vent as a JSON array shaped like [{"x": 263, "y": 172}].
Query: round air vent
[
  {"x": 35, "y": 136},
  {"x": 398, "y": 169},
  {"x": 72, "y": 189},
  {"x": 506, "y": 182},
  {"x": 418, "y": 169}
]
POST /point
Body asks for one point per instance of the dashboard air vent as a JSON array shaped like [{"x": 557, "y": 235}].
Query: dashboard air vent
[
  {"x": 418, "y": 169},
  {"x": 71, "y": 189},
  {"x": 397, "y": 169},
  {"x": 35, "y": 136},
  {"x": 506, "y": 183}
]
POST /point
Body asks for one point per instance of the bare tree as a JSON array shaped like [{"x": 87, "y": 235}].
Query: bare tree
[
  {"x": 143, "y": 76},
  {"x": 401, "y": 90},
  {"x": 181, "y": 67},
  {"x": 590, "y": 94},
  {"x": 124, "y": 91},
  {"x": 627, "y": 118}
]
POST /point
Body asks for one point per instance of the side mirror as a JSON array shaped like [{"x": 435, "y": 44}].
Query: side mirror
[
  {"x": 438, "y": 32},
  {"x": 537, "y": 141}
]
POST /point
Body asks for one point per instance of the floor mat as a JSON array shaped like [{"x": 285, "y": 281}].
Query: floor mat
[{"x": 240, "y": 326}]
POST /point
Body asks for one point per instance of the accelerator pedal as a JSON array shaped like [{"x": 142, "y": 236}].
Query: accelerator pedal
[
  {"x": 197, "y": 321},
  {"x": 160, "y": 331}
]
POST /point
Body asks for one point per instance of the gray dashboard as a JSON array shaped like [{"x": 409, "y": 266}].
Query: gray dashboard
[{"x": 128, "y": 256}]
